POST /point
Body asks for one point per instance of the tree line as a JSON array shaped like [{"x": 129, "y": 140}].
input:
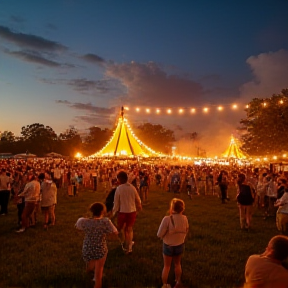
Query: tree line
[
  {"x": 40, "y": 140},
  {"x": 264, "y": 131}
]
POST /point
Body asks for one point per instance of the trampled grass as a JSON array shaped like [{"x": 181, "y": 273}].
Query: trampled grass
[{"x": 215, "y": 254}]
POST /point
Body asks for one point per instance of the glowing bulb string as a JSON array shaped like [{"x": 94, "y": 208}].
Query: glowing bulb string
[{"x": 193, "y": 109}]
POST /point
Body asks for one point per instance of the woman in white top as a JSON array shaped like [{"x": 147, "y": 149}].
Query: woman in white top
[
  {"x": 48, "y": 198},
  {"x": 282, "y": 212},
  {"x": 173, "y": 230}
]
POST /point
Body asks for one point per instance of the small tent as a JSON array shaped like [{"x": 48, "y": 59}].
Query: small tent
[
  {"x": 233, "y": 151},
  {"x": 54, "y": 155},
  {"x": 25, "y": 155}
]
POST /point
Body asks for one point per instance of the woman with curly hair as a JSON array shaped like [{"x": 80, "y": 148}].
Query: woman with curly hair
[{"x": 95, "y": 245}]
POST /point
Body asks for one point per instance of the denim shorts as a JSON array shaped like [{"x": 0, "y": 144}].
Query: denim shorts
[{"x": 173, "y": 250}]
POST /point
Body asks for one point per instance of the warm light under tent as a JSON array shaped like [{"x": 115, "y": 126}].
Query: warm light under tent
[{"x": 124, "y": 143}]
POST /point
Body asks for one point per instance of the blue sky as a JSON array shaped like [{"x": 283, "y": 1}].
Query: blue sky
[{"x": 76, "y": 62}]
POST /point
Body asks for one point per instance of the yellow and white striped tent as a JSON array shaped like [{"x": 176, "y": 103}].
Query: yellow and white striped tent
[
  {"x": 233, "y": 151},
  {"x": 124, "y": 143}
]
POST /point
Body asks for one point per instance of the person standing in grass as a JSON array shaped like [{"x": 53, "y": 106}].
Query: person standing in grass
[
  {"x": 109, "y": 201},
  {"x": 144, "y": 187},
  {"x": 266, "y": 270},
  {"x": 282, "y": 212},
  {"x": 126, "y": 204},
  {"x": 245, "y": 199},
  {"x": 18, "y": 186},
  {"x": 31, "y": 194},
  {"x": 222, "y": 181},
  {"x": 5, "y": 182},
  {"x": 173, "y": 230},
  {"x": 48, "y": 198},
  {"x": 95, "y": 245}
]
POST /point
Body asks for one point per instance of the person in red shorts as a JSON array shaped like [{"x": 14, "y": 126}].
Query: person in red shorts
[{"x": 126, "y": 203}]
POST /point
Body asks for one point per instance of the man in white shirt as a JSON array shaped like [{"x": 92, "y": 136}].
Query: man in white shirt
[
  {"x": 31, "y": 193},
  {"x": 126, "y": 203}
]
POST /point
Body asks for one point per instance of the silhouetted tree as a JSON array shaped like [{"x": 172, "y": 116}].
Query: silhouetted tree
[
  {"x": 7, "y": 142},
  {"x": 96, "y": 139},
  {"x": 38, "y": 139},
  {"x": 69, "y": 142},
  {"x": 264, "y": 130},
  {"x": 157, "y": 137}
]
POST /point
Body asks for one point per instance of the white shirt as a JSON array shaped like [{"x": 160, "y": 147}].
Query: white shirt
[
  {"x": 284, "y": 203},
  {"x": 173, "y": 229},
  {"x": 126, "y": 198},
  {"x": 31, "y": 191}
]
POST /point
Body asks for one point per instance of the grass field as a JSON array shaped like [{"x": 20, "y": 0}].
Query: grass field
[{"x": 215, "y": 255}]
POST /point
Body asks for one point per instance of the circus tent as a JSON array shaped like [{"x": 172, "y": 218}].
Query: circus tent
[
  {"x": 124, "y": 143},
  {"x": 233, "y": 151}
]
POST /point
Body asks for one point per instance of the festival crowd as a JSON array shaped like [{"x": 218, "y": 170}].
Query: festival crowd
[{"x": 33, "y": 184}]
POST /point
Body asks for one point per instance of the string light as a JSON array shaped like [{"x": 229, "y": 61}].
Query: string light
[{"x": 204, "y": 109}]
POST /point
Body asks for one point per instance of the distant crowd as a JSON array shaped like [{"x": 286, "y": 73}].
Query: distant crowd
[
  {"x": 267, "y": 187},
  {"x": 33, "y": 185}
]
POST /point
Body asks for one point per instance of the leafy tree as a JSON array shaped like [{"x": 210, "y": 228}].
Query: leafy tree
[
  {"x": 96, "y": 139},
  {"x": 38, "y": 139},
  {"x": 156, "y": 136},
  {"x": 264, "y": 130},
  {"x": 8, "y": 136},
  {"x": 70, "y": 142},
  {"x": 7, "y": 142}
]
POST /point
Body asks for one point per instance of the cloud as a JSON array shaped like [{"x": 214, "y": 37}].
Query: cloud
[
  {"x": 85, "y": 85},
  {"x": 95, "y": 120},
  {"x": 93, "y": 58},
  {"x": 270, "y": 72},
  {"x": 51, "y": 26},
  {"x": 99, "y": 116},
  {"x": 148, "y": 83},
  {"x": 33, "y": 57},
  {"x": 17, "y": 19},
  {"x": 30, "y": 41},
  {"x": 63, "y": 102},
  {"x": 97, "y": 88},
  {"x": 88, "y": 107},
  {"x": 92, "y": 108}
]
